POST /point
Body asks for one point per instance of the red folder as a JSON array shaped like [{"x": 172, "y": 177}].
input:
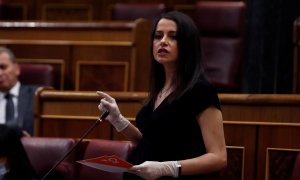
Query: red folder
[{"x": 107, "y": 163}]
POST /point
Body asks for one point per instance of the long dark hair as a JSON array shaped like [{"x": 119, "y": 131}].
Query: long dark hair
[{"x": 188, "y": 67}]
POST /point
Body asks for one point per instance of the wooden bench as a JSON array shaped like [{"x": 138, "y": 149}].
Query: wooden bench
[
  {"x": 120, "y": 47},
  {"x": 257, "y": 127},
  {"x": 70, "y": 113}
]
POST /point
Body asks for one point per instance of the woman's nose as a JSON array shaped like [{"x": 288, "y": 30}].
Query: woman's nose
[{"x": 164, "y": 40}]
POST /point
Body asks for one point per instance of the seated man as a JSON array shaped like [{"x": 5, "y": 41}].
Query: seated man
[{"x": 16, "y": 100}]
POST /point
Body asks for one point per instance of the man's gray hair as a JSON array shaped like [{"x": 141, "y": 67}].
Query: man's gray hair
[{"x": 9, "y": 52}]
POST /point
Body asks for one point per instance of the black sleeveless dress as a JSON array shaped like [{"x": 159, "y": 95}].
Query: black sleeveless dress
[{"x": 171, "y": 132}]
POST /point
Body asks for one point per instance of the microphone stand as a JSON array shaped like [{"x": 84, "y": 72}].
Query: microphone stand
[{"x": 103, "y": 116}]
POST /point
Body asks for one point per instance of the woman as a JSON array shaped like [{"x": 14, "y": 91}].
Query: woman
[{"x": 179, "y": 131}]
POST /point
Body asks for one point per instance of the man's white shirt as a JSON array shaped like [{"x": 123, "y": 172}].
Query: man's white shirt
[{"x": 15, "y": 92}]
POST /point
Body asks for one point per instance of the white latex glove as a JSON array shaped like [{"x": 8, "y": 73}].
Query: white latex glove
[
  {"x": 107, "y": 103},
  {"x": 154, "y": 170}
]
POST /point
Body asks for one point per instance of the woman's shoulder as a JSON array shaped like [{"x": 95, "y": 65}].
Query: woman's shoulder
[
  {"x": 201, "y": 89},
  {"x": 204, "y": 93},
  {"x": 203, "y": 86}
]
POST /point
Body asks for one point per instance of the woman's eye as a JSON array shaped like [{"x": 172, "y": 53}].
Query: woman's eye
[
  {"x": 174, "y": 37},
  {"x": 170, "y": 36},
  {"x": 158, "y": 36}
]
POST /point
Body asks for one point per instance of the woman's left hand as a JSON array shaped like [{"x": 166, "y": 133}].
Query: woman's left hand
[{"x": 154, "y": 170}]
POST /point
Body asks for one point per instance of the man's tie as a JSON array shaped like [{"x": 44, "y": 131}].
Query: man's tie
[{"x": 10, "y": 108}]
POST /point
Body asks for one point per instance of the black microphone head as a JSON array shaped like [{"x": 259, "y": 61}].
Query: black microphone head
[{"x": 104, "y": 115}]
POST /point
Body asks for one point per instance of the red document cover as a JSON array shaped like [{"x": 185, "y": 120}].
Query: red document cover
[{"x": 107, "y": 163}]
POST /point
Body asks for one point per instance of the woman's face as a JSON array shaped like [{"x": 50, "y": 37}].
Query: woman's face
[{"x": 165, "y": 50}]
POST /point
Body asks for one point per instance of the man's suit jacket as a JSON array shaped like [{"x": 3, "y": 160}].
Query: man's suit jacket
[{"x": 25, "y": 119}]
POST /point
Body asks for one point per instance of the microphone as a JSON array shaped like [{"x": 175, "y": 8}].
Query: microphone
[{"x": 102, "y": 117}]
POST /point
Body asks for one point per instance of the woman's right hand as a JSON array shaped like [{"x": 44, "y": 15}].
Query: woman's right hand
[{"x": 108, "y": 103}]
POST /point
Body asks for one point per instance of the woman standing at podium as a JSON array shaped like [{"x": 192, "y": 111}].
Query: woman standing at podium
[{"x": 179, "y": 131}]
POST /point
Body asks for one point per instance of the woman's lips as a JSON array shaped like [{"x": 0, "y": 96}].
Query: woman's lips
[{"x": 162, "y": 52}]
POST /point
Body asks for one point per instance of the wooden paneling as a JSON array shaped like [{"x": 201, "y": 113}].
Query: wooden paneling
[
  {"x": 243, "y": 136},
  {"x": 95, "y": 75},
  {"x": 102, "y": 41},
  {"x": 276, "y": 136},
  {"x": 235, "y": 163},
  {"x": 281, "y": 161}
]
